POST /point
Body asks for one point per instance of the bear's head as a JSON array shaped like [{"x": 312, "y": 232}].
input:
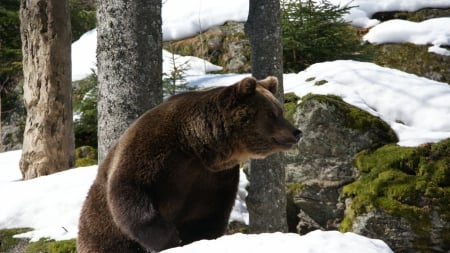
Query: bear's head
[{"x": 256, "y": 118}]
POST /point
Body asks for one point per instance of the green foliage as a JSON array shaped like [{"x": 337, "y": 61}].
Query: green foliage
[
  {"x": 82, "y": 17},
  {"x": 174, "y": 81},
  {"x": 7, "y": 241},
  {"x": 45, "y": 245},
  {"x": 85, "y": 109},
  {"x": 85, "y": 156},
  {"x": 314, "y": 31},
  {"x": 403, "y": 181},
  {"x": 10, "y": 45}
]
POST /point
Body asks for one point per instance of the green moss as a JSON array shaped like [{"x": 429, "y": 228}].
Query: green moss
[
  {"x": 347, "y": 223},
  {"x": 403, "y": 181},
  {"x": 320, "y": 82},
  {"x": 7, "y": 241},
  {"x": 45, "y": 245},
  {"x": 85, "y": 156},
  {"x": 294, "y": 187},
  {"x": 236, "y": 227},
  {"x": 290, "y": 105}
]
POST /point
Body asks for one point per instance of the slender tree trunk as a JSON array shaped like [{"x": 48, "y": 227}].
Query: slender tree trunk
[
  {"x": 129, "y": 58},
  {"x": 1, "y": 133},
  {"x": 266, "y": 201},
  {"x": 48, "y": 144}
]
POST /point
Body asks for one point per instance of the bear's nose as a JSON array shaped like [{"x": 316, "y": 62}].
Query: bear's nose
[{"x": 297, "y": 134}]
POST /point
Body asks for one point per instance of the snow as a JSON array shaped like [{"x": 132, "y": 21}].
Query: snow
[
  {"x": 194, "y": 16},
  {"x": 418, "y": 109},
  {"x": 363, "y": 10},
  {"x": 51, "y": 205},
  {"x": 84, "y": 59},
  {"x": 434, "y": 31},
  {"x": 182, "y": 19},
  {"x": 313, "y": 242}
]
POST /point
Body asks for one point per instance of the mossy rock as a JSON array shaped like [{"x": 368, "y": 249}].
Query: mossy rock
[
  {"x": 236, "y": 227},
  {"x": 354, "y": 118},
  {"x": 290, "y": 105},
  {"x": 85, "y": 156},
  {"x": 8, "y": 243},
  {"x": 322, "y": 162},
  {"x": 412, "y": 183},
  {"x": 226, "y": 46},
  {"x": 399, "y": 56},
  {"x": 417, "y": 16}
]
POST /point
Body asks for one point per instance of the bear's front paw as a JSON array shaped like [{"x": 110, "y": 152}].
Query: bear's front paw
[{"x": 159, "y": 235}]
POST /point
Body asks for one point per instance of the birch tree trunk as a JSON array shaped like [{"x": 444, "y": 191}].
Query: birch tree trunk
[
  {"x": 48, "y": 144},
  {"x": 129, "y": 58},
  {"x": 266, "y": 199}
]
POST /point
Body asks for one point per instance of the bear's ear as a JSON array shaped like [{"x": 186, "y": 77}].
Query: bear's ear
[
  {"x": 246, "y": 86},
  {"x": 270, "y": 83}
]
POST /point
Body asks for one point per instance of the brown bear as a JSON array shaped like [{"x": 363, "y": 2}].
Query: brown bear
[{"x": 172, "y": 177}]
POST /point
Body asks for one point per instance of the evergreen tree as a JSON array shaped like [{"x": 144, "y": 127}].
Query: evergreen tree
[
  {"x": 174, "y": 81},
  {"x": 10, "y": 51},
  {"x": 85, "y": 110},
  {"x": 314, "y": 31}
]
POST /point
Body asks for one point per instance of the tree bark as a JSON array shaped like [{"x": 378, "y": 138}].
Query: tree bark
[
  {"x": 129, "y": 58},
  {"x": 48, "y": 144},
  {"x": 266, "y": 199}
]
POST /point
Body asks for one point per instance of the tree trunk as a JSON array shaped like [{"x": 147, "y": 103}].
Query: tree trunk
[
  {"x": 129, "y": 58},
  {"x": 1, "y": 133},
  {"x": 48, "y": 144},
  {"x": 266, "y": 199}
]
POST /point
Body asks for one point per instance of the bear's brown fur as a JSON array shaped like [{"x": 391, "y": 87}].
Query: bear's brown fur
[{"x": 172, "y": 177}]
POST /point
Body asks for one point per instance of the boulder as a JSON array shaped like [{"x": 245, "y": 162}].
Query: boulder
[
  {"x": 316, "y": 171},
  {"x": 402, "y": 197}
]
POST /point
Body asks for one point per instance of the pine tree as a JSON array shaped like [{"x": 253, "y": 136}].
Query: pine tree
[
  {"x": 175, "y": 81},
  {"x": 315, "y": 31}
]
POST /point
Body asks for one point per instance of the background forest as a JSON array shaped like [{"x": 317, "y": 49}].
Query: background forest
[{"x": 405, "y": 188}]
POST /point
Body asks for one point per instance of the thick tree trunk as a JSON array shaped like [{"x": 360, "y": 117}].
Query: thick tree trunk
[
  {"x": 266, "y": 201},
  {"x": 48, "y": 144},
  {"x": 129, "y": 58}
]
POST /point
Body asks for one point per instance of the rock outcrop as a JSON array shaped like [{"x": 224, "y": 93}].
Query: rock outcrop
[
  {"x": 402, "y": 197},
  {"x": 334, "y": 132},
  {"x": 348, "y": 174},
  {"x": 226, "y": 46}
]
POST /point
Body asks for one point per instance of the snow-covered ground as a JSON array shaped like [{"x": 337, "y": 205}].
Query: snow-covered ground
[
  {"x": 51, "y": 205},
  {"x": 418, "y": 109},
  {"x": 428, "y": 32}
]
